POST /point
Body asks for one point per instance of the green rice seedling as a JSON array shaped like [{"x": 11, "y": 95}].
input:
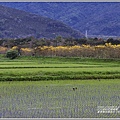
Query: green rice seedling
[
  {"x": 58, "y": 100},
  {"x": 58, "y": 87}
]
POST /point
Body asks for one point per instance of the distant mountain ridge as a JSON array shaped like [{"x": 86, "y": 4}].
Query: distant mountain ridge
[
  {"x": 98, "y": 18},
  {"x": 17, "y": 23}
]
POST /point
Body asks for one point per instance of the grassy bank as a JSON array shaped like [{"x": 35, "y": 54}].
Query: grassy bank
[{"x": 58, "y": 68}]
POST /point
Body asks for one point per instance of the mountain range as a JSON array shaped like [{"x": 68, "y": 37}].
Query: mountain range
[
  {"x": 98, "y": 18},
  {"x": 16, "y": 23}
]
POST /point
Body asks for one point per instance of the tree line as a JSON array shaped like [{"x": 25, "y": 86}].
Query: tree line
[{"x": 31, "y": 42}]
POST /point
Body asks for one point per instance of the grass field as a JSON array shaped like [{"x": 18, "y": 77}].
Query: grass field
[
  {"x": 58, "y": 69},
  {"x": 58, "y": 87}
]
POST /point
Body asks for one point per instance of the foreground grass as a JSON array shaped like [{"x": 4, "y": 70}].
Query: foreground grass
[
  {"x": 33, "y": 87},
  {"x": 57, "y": 99},
  {"x": 47, "y": 68}
]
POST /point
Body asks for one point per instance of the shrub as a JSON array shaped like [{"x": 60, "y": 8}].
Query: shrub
[{"x": 12, "y": 54}]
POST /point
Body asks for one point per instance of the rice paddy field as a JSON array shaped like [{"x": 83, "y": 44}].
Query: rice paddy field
[{"x": 46, "y": 87}]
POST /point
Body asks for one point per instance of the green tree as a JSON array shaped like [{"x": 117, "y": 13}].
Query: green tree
[
  {"x": 57, "y": 40},
  {"x": 12, "y": 54}
]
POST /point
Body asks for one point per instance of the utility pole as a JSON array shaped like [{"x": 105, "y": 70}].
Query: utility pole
[{"x": 86, "y": 34}]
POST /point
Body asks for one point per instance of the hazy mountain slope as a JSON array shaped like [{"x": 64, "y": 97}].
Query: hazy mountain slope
[
  {"x": 17, "y": 23},
  {"x": 96, "y": 17}
]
